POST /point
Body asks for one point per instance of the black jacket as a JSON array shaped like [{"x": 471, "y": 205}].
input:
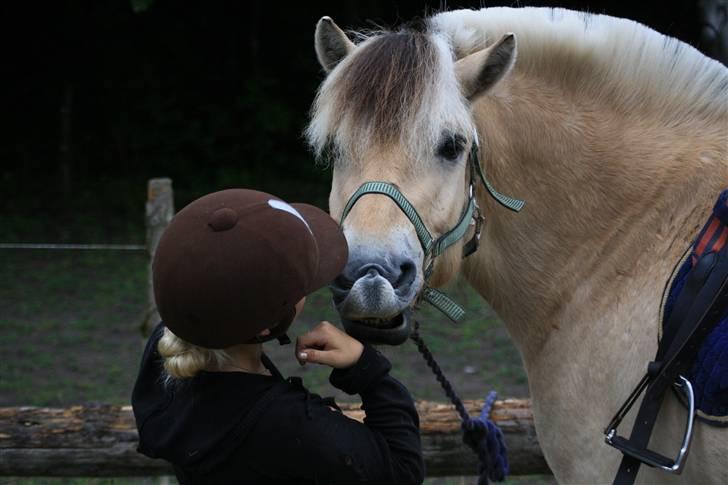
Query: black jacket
[{"x": 239, "y": 428}]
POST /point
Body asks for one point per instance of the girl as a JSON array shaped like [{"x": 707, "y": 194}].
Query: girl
[{"x": 230, "y": 272}]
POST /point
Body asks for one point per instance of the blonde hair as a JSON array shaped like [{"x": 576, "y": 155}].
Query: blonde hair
[{"x": 183, "y": 360}]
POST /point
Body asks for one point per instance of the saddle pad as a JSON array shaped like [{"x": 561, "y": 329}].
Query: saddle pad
[{"x": 709, "y": 373}]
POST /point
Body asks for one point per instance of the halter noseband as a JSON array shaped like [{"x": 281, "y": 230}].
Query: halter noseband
[{"x": 433, "y": 247}]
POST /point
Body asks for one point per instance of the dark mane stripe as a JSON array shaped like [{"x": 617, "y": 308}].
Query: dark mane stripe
[{"x": 386, "y": 81}]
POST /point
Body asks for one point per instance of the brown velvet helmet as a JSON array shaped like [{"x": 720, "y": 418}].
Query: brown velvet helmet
[{"x": 236, "y": 262}]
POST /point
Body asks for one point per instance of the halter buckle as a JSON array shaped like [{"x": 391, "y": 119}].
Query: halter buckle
[{"x": 471, "y": 246}]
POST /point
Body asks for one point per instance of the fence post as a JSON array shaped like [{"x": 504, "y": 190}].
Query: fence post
[{"x": 159, "y": 211}]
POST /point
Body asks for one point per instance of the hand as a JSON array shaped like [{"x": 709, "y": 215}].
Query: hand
[{"x": 328, "y": 345}]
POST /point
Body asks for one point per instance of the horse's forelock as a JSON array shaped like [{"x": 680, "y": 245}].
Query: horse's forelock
[
  {"x": 385, "y": 92},
  {"x": 386, "y": 82}
]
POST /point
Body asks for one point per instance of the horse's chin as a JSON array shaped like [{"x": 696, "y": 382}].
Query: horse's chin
[{"x": 394, "y": 331}]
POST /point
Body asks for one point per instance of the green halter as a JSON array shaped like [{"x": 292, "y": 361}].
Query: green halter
[{"x": 433, "y": 247}]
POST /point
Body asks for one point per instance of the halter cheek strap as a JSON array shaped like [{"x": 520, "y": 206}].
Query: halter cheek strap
[
  {"x": 508, "y": 202},
  {"x": 433, "y": 247}
]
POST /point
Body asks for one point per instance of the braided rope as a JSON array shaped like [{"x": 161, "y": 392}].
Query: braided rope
[{"x": 480, "y": 434}]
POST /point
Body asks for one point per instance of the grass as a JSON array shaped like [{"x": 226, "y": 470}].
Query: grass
[{"x": 69, "y": 325}]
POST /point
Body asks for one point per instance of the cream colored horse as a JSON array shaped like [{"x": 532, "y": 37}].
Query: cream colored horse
[{"x": 615, "y": 135}]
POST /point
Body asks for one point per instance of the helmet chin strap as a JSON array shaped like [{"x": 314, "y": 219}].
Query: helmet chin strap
[
  {"x": 277, "y": 332},
  {"x": 283, "y": 339}
]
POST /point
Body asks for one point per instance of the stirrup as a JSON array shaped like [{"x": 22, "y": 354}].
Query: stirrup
[{"x": 648, "y": 457}]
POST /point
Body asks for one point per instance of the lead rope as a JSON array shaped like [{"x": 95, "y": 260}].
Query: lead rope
[{"x": 480, "y": 434}]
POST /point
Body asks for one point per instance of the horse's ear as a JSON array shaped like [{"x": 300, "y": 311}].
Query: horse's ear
[
  {"x": 480, "y": 71},
  {"x": 332, "y": 44}
]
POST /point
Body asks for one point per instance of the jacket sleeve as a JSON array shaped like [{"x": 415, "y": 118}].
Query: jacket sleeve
[
  {"x": 390, "y": 415},
  {"x": 324, "y": 445}
]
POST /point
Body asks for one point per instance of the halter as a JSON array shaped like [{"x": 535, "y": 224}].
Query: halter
[{"x": 434, "y": 247}]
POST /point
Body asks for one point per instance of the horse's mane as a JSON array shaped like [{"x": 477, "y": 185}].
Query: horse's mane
[
  {"x": 632, "y": 65},
  {"x": 402, "y": 78}
]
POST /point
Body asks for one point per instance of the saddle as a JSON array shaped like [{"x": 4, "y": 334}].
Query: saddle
[
  {"x": 692, "y": 355},
  {"x": 709, "y": 371}
]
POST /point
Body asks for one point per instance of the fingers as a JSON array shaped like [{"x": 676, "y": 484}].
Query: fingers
[
  {"x": 315, "y": 356},
  {"x": 321, "y": 345},
  {"x": 304, "y": 355},
  {"x": 328, "y": 345},
  {"x": 317, "y": 337}
]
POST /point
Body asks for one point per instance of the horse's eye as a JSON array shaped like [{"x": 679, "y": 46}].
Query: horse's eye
[{"x": 451, "y": 148}]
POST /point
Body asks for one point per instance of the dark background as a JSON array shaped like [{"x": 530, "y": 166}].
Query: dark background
[{"x": 103, "y": 95}]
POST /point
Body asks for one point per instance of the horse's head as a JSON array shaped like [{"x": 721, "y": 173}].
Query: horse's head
[{"x": 396, "y": 108}]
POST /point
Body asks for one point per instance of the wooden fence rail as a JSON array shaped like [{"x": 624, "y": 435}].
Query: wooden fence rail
[{"x": 101, "y": 440}]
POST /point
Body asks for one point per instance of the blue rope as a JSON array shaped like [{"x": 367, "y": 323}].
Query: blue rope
[{"x": 480, "y": 434}]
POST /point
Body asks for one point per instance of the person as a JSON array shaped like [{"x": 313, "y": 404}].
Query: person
[{"x": 230, "y": 272}]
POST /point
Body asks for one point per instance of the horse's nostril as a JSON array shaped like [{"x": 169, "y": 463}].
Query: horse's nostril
[
  {"x": 407, "y": 274},
  {"x": 342, "y": 282}
]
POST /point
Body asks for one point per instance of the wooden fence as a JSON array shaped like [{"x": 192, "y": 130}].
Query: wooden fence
[{"x": 100, "y": 440}]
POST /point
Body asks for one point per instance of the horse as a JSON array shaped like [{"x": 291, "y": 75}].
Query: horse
[{"x": 614, "y": 134}]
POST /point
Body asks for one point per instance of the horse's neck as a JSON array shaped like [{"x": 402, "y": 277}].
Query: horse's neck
[{"x": 612, "y": 198}]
